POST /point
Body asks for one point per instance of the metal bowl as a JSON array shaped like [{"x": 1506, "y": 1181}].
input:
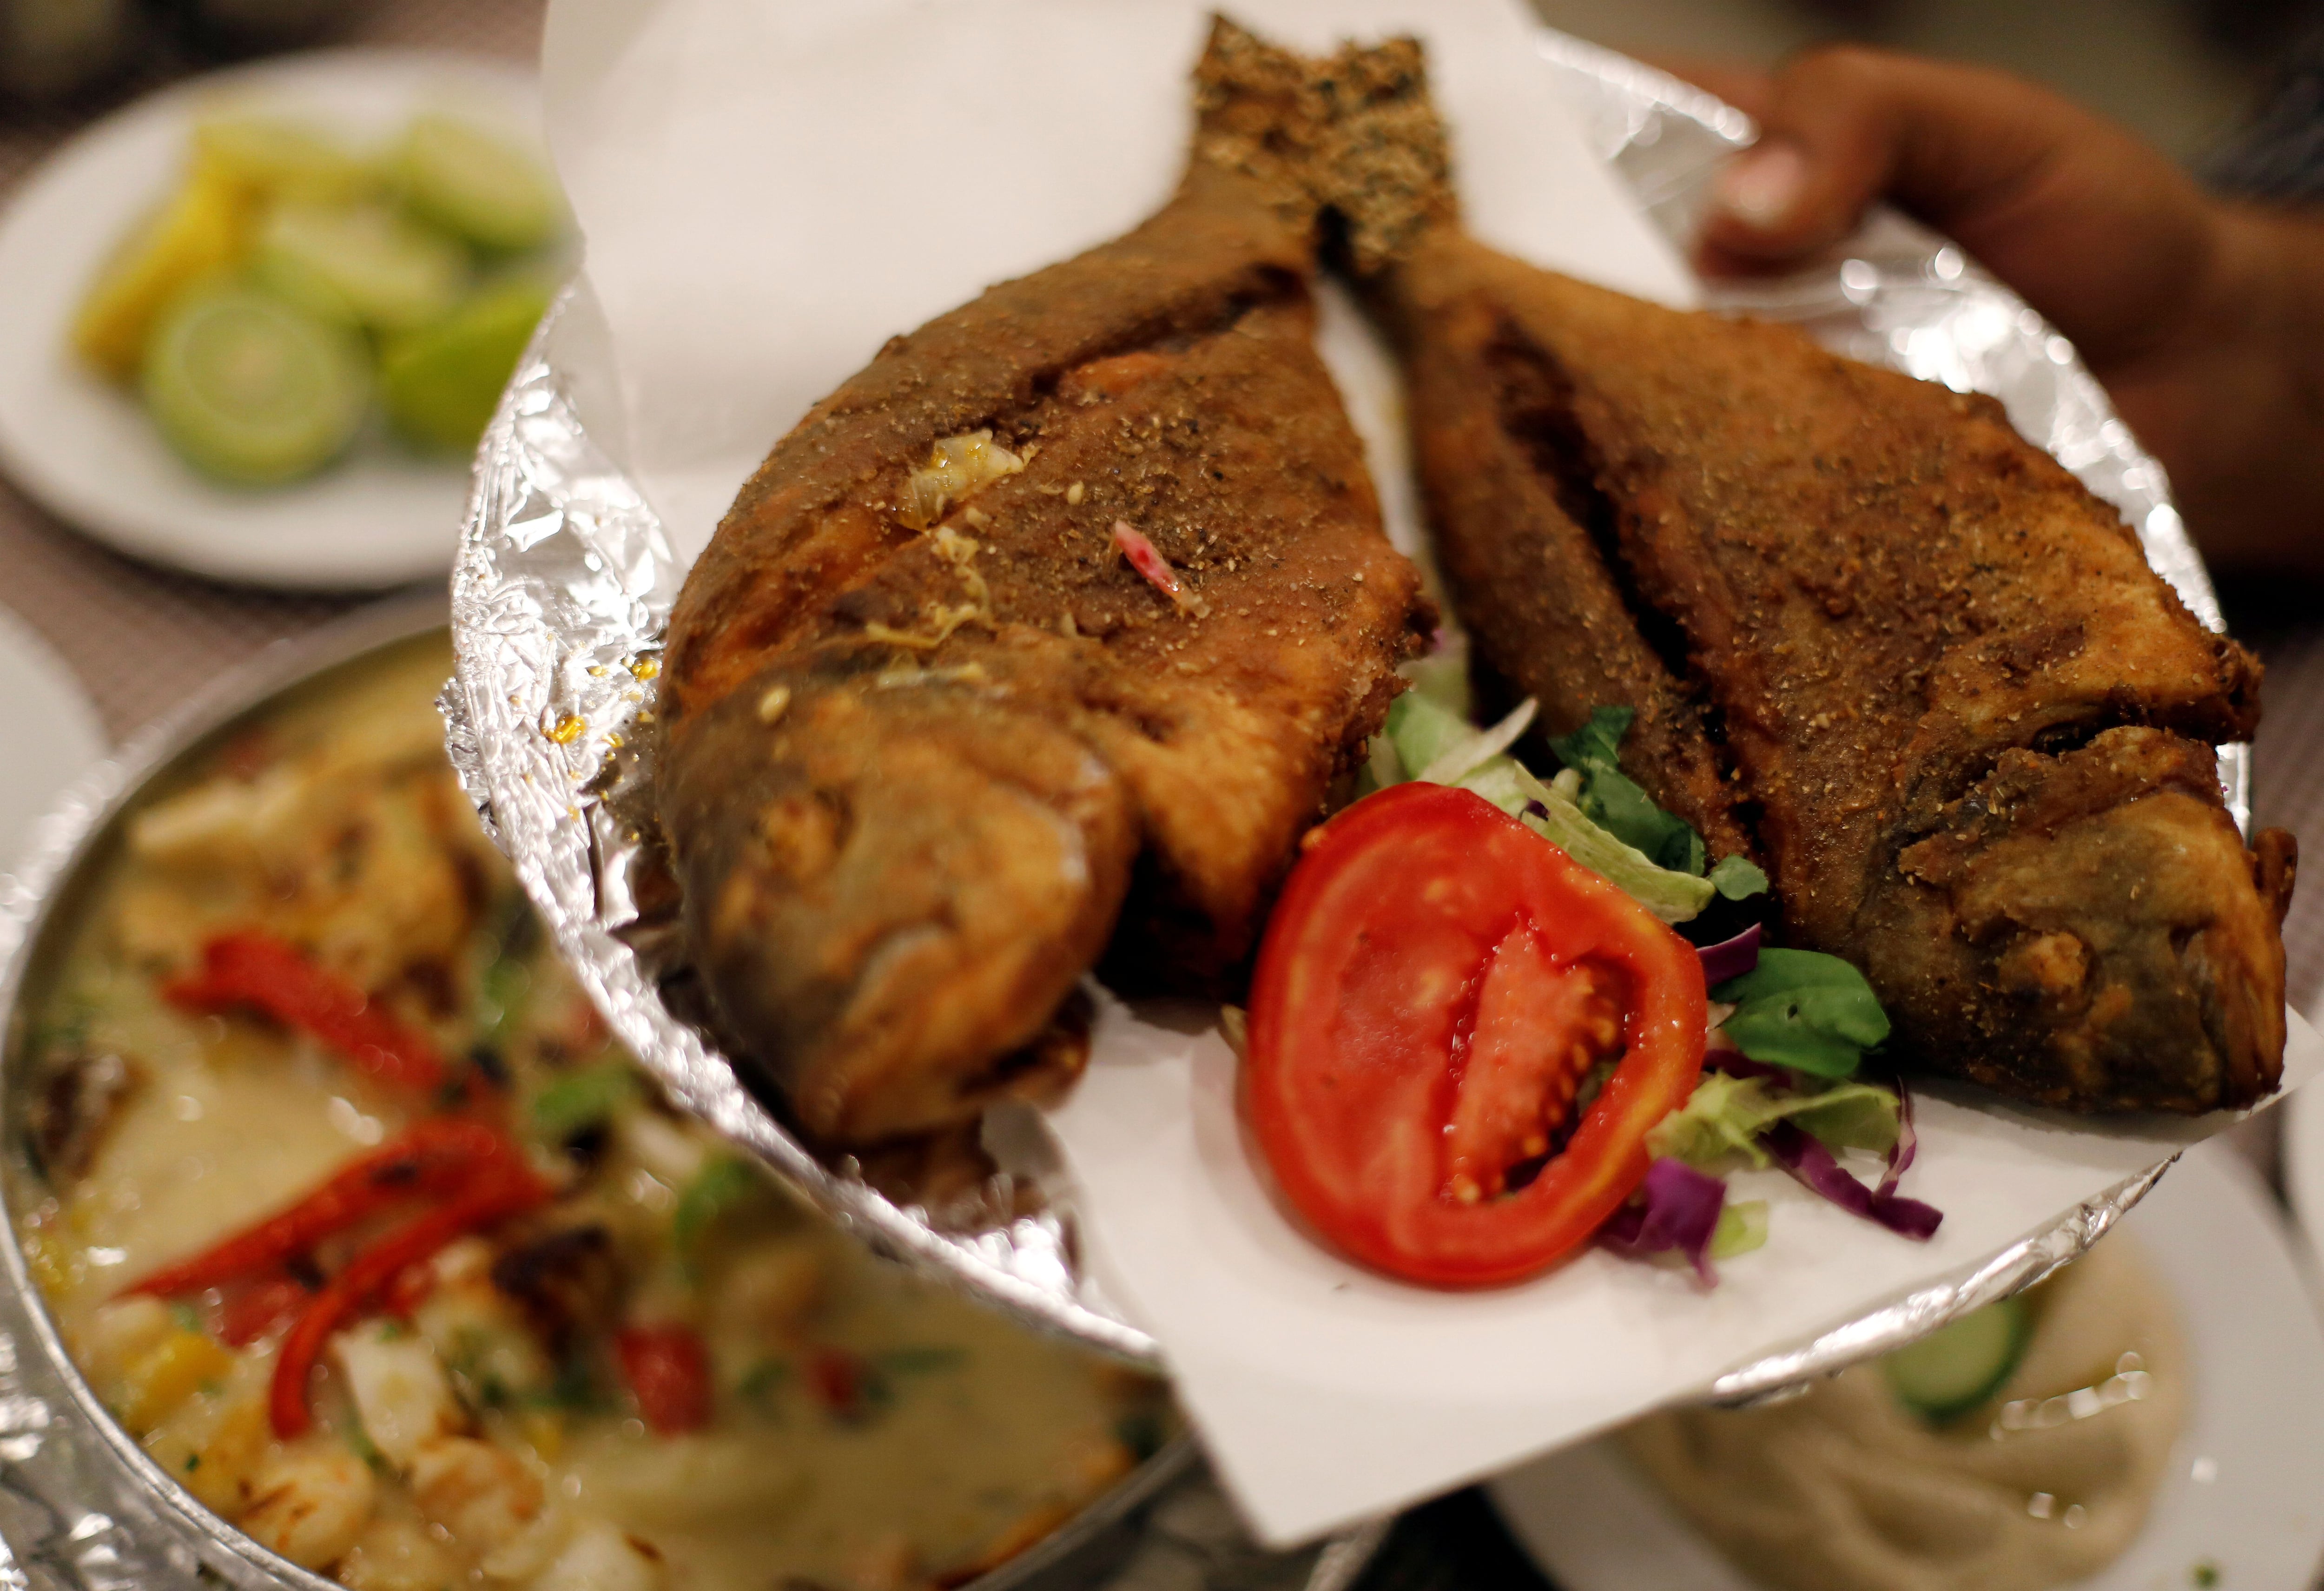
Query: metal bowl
[{"x": 81, "y": 1503}]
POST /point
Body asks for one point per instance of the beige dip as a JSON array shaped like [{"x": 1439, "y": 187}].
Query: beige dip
[{"x": 1846, "y": 1489}]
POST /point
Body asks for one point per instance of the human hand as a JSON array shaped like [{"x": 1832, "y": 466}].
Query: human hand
[{"x": 2205, "y": 320}]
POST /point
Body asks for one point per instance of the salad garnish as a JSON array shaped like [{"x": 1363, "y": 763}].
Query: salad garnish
[
  {"x": 1786, "y": 1031},
  {"x": 1803, "y": 1010},
  {"x": 1684, "y": 1211}
]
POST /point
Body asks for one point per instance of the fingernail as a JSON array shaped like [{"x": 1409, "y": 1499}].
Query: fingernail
[{"x": 1762, "y": 185}]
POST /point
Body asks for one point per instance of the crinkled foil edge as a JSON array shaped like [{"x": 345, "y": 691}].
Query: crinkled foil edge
[{"x": 564, "y": 583}]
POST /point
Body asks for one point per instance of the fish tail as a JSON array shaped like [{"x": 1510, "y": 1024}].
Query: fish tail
[
  {"x": 1260, "y": 117},
  {"x": 1351, "y": 136},
  {"x": 1384, "y": 172}
]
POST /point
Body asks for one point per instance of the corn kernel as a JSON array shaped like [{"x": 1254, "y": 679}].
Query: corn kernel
[{"x": 167, "y": 1374}]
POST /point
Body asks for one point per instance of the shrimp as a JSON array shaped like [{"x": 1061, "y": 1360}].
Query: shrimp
[{"x": 310, "y": 1502}]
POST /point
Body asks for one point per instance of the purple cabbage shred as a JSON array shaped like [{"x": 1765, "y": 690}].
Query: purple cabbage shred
[
  {"x": 1730, "y": 958},
  {"x": 1907, "y": 1143},
  {"x": 1812, "y": 1165},
  {"x": 1679, "y": 1213}
]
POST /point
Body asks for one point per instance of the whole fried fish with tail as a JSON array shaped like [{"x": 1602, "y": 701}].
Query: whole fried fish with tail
[
  {"x": 1050, "y": 630},
  {"x": 1873, "y": 635}
]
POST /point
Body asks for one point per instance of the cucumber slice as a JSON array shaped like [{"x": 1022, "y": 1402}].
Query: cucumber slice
[
  {"x": 366, "y": 263},
  {"x": 480, "y": 188},
  {"x": 279, "y": 159},
  {"x": 253, "y": 390},
  {"x": 1959, "y": 1366},
  {"x": 440, "y": 384}
]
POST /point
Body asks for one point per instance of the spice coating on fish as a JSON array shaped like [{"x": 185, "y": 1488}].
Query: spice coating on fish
[
  {"x": 1042, "y": 638},
  {"x": 1875, "y": 637}
]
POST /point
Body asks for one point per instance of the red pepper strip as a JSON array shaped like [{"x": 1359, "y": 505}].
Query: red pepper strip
[
  {"x": 669, "y": 1369},
  {"x": 500, "y": 1190},
  {"x": 427, "y": 1160},
  {"x": 257, "y": 970},
  {"x": 260, "y": 1308}
]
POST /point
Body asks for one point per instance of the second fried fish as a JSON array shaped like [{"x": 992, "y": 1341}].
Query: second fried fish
[{"x": 1873, "y": 636}]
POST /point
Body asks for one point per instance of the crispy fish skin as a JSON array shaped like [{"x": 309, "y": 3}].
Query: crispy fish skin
[
  {"x": 1957, "y": 712},
  {"x": 1550, "y": 615},
  {"x": 916, "y": 778}
]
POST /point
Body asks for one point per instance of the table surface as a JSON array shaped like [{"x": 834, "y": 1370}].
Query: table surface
[{"x": 143, "y": 639}]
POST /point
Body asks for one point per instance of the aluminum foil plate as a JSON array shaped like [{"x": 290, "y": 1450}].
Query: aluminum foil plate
[{"x": 564, "y": 583}]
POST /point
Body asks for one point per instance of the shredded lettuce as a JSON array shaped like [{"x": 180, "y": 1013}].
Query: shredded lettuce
[
  {"x": 1592, "y": 811},
  {"x": 1736, "y": 876},
  {"x": 1443, "y": 676},
  {"x": 1424, "y": 733},
  {"x": 1617, "y": 802},
  {"x": 1726, "y": 1117},
  {"x": 1421, "y": 728},
  {"x": 1805, "y": 1010},
  {"x": 1465, "y": 756},
  {"x": 1742, "y": 1227}
]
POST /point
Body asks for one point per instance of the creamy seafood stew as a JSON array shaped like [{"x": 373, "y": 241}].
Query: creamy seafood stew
[{"x": 561, "y": 1338}]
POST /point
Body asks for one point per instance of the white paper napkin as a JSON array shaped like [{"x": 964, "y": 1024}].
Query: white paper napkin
[
  {"x": 1326, "y": 1392},
  {"x": 768, "y": 191}
]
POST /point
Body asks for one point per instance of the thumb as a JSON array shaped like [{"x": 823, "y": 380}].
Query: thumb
[{"x": 2097, "y": 230}]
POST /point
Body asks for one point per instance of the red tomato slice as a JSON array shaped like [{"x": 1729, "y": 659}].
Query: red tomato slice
[{"x": 1435, "y": 982}]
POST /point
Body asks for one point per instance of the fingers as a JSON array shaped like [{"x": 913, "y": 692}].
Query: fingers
[
  {"x": 1841, "y": 126},
  {"x": 2097, "y": 230}
]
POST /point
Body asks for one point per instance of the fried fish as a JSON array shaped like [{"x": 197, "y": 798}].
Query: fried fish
[
  {"x": 1875, "y": 640},
  {"x": 1047, "y": 632}
]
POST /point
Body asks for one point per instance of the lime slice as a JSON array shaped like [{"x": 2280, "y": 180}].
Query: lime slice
[
  {"x": 199, "y": 231},
  {"x": 253, "y": 390},
  {"x": 275, "y": 158},
  {"x": 440, "y": 384},
  {"x": 485, "y": 188},
  {"x": 1959, "y": 1366},
  {"x": 362, "y": 263}
]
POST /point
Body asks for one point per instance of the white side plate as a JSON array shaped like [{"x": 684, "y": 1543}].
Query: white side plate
[
  {"x": 2255, "y": 1434},
  {"x": 2303, "y": 1176},
  {"x": 53, "y": 733},
  {"x": 379, "y": 517}
]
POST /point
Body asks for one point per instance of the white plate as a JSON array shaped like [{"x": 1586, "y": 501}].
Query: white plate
[
  {"x": 2303, "y": 1174},
  {"x": 53, "y": 733},
  {"x": 379, "y": 517},
  {"x": 2245, "y": 1487}
]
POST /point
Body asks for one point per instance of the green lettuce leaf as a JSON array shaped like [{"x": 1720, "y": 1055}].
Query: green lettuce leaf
[
  {"x": 1803, "y": 1009},
  {"x": 1736, "y": 876},
  {"x": 1423, "y": 731},
  {"x": 1724, "y": 1117},
  {"x": 1616, "y": 801},
  {"x": 1741, "y": 1228}
]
